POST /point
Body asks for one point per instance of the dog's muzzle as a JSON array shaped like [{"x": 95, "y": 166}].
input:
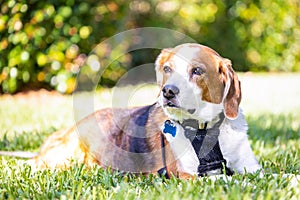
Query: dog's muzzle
[{"x": 169, "y": 93}]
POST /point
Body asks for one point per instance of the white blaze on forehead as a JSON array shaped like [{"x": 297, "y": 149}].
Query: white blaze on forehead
[
  {"x": 188, "y": 52},
  {"x": 184, "y": 58},
  {"x": 181, "y": 65}
]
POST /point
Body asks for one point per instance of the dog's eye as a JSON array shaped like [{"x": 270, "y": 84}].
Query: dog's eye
[
  {"x": 167, "y": 69},
  {"x": 197, "y": 71}
]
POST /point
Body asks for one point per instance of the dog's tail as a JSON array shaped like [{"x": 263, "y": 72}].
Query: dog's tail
[{"x": 20, "y": 154}]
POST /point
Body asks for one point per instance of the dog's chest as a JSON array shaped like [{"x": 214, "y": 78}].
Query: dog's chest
[
  {"x": 187, "y": 160},
  {"x": 197, "y": 151}
]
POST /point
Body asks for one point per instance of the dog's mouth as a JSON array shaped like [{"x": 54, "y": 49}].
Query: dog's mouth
[{"x": 171, "y": 104}]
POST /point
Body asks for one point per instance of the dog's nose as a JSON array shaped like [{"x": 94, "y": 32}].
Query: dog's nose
[{"x": 170, "y": 91}]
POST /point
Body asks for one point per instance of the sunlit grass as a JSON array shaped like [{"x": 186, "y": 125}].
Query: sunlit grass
[{"x": 274, "y": 136}]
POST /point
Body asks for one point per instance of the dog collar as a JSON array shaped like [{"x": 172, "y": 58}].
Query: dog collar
[{"x": 170, "y": 128}]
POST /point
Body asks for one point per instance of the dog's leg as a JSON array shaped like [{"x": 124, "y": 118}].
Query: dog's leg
[
  {"x": 235, "y": 146},
  {"x": 60, "y": 150},
  {"x": 187, "y": 161}
]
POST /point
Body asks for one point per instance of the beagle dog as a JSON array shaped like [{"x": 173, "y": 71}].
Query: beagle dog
[{"x": 195, "y": 128}]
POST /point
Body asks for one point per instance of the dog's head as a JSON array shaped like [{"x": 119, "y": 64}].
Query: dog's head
[{"x": 196, "y": 82}]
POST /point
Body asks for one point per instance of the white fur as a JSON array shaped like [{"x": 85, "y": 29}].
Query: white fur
[
  {"x": 235, "y": 146},
  {"x": 183, "y": 151}
]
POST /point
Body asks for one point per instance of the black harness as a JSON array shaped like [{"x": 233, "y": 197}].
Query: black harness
[{"x": 206, "y": 146}]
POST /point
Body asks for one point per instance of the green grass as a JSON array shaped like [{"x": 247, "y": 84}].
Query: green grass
[{"x": 273, "y": 131}]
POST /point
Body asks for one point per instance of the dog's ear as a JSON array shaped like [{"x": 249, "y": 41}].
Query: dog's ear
[
  {"x": 233, "y": 94},
  {"x": 161, "y": 59}
]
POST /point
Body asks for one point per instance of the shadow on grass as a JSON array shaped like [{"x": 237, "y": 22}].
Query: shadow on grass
[
  {"x": 270, "y": 127},
  {"x": 274, "y": 140},
  {"x": 265, "y": 127},
  {"x": 26, "y": 141}
]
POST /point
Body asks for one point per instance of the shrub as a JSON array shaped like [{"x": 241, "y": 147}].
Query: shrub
[{"x": 43, "y": 43}]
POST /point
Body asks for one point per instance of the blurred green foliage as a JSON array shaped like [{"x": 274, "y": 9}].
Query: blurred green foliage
[{"x": 44, "y": 43}]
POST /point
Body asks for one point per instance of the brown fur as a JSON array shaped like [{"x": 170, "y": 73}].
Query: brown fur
[{"x": 112, "y": 137}]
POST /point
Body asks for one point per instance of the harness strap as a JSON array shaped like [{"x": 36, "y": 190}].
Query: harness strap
[
  {"x": 163, "y": 171},
  {"x": 206, "y": 145}
]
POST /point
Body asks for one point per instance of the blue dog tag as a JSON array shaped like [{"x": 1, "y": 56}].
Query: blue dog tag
[{"x": 170, "y": 128}]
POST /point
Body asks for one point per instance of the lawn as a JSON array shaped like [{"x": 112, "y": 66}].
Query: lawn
[{"x": 272, "y": 107}]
